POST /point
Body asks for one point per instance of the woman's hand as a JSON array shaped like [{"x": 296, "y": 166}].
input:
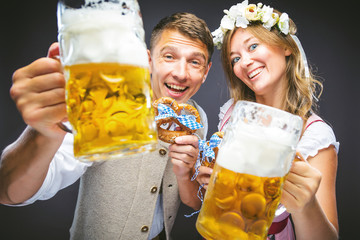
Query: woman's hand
[{"x": 300, "y": 186}]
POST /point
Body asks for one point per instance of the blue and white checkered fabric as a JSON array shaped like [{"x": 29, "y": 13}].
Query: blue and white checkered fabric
[
  {"x": 186, "y": 120},
  {"x": 207, "y": 150}
]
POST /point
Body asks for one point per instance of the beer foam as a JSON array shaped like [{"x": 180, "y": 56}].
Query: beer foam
[
  {"x": 264, "y": 148},
  {"x": 101, "y": 35}
]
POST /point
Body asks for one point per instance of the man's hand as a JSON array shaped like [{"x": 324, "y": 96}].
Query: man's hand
[
  {"x": 183, "y": 155},
  {"x": 39, "y": 93}
]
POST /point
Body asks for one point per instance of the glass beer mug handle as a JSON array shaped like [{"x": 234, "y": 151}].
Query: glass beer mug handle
[
  {"x": 63, "y": 127},
  {"x": 60, "y": 124}
]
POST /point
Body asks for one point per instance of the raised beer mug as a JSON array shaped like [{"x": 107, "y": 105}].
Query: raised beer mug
[
  {"x": 246, "y": 184},
  {"x": 108, "y": 89}
]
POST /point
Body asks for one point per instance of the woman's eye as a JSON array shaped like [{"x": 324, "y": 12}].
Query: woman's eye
[
  {"x": 235, "y": 60},
  {"x": 253, "y": 46}
]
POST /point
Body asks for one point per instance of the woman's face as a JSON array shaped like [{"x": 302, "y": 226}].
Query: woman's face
[{"x": 260, "y": 66}]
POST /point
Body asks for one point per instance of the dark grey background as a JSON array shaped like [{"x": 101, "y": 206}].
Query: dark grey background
[{"x": 329, "y": 34}]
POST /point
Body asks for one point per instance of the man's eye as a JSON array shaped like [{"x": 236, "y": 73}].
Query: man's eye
[
  {"x": 195, "y": 62},
  {"x": 168, "y": 57},
  {"x": 253, "y": 46}
]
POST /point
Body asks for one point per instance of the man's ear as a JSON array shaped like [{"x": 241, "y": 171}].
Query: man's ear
[
  {"x": 207, "y": 71},
  {"x": 150, "y": 61}
]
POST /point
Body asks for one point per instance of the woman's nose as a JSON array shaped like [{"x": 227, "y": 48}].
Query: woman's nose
[{"x": 246, "y": 60}]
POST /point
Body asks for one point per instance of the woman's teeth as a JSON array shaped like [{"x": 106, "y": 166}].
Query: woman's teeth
[{"x": 255, "y": 72}]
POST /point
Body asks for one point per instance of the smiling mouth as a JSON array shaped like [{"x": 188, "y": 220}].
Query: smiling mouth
[
  {"x": 255, "y": 72},
  {"x": 176, "y": 88}
]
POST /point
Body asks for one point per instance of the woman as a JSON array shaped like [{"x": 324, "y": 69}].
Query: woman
[{"x": 264, "y": 62}]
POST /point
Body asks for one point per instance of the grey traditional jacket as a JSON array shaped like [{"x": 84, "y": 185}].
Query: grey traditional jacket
[{"x": 117, "y": 198}]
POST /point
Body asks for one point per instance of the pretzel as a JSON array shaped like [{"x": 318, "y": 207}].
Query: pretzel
[
  {"x": 211, "y": 164},
  {"x": 192, "y": 110},
  {"x": 169, "y": 102},
  {"x": 167, "y": 135}
]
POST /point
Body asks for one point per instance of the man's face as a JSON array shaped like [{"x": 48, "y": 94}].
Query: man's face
[{"x": 178, "y": 65}]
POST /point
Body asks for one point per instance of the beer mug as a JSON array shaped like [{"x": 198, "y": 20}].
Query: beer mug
[
  {"x": 246, "y": 184},
  {"x": 108, "y": 89}
]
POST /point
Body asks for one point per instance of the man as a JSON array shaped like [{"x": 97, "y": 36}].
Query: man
[{"x": 135, "y": 197}]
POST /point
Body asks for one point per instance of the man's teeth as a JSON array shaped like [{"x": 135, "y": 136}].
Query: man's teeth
[
  {"x": 255, "y": 72},
  {"x": 176, "y": 87}
]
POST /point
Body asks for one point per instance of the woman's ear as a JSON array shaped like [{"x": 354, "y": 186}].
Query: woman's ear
[{"x": 287, "y": 52}]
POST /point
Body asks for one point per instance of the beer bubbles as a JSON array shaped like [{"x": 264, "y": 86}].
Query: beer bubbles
[
  {"x": 253, "y": 160},
  {"x": 108, "y": 90}
]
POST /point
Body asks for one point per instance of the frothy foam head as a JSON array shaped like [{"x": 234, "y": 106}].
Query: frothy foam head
[
  {"x": 101, "y": 35},
  {"x": 259, "y": 140}
]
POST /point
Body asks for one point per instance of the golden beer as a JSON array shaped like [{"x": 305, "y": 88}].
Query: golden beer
[
  {"x": 108, "y": 90},
  {"x": 238, "y": 206},
  {"x": 108, "y": 104},
  {"x": 245, "y": 187}
]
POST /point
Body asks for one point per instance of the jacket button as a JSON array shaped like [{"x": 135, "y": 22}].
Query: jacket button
[
  {"x": 144, "y": 228},
  {"x": 153, "y": 190},
  {"x": 162, "y": 152}
]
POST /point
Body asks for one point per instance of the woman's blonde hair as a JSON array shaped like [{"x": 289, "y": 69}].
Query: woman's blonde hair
[{"x": 301, "y": 90}]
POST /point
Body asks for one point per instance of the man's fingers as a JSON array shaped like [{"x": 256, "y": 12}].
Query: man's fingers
[
  {"x": 51, "y": 115},
  {"x": 40, "y": 67},
  {"x": 181, "y": 157},
  {"x": 47, "y": 82},
  {"x": 187, "y": 149},
  {"x": 188, "y": 140},
  {"x": 53, "y": 51}
]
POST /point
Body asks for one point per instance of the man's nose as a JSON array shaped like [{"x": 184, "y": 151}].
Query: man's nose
[{"x": 180, "y": 71}]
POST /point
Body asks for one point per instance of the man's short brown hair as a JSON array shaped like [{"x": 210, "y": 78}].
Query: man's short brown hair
[{"x": 187, "y": 24}]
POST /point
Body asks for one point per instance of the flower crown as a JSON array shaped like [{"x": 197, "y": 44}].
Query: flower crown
[{"x": 242, "y": 14}]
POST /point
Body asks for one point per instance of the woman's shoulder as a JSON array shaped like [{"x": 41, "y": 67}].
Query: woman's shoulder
[{"x": 317, "y": 135}]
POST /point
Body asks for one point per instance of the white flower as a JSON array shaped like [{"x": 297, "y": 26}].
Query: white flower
[
  {"x": 272, "y": 21},
  {"x": 218, "y": 36},
  {"x": 237, "y": 10},
  {"x": 242, "y": 22},
  {"x": 266, "y": 13},
  {"x": 227, "y": 23},
  {"x": 233, "y": 12},
  {"x": 284, "y": 23},
  {"x": 241, "y": 14},
  {"x": 242, "y": 6}
]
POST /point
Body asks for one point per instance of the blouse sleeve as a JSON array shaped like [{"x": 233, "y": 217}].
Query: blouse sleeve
[
  {"x": 317, "y": 136},
  {"x": 223, "y": 111}
]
